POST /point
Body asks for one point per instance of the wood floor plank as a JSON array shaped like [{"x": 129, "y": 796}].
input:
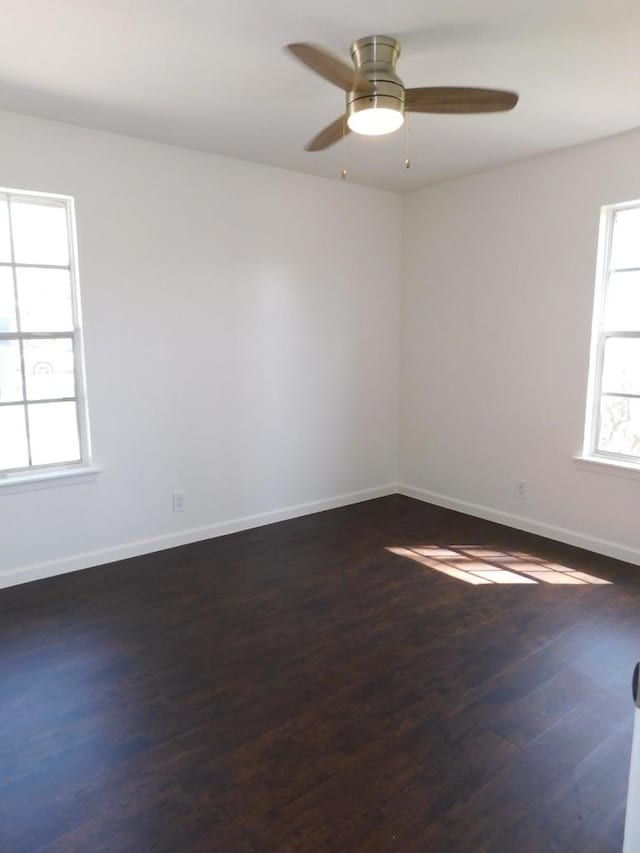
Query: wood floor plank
[{"x": 300, "y": 687}]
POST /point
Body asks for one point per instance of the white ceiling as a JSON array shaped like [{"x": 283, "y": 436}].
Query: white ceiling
[{"x": 212, "y": 75}]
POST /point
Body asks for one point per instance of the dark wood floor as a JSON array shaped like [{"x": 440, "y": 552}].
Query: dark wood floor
[{"x": 301, "y": 688}]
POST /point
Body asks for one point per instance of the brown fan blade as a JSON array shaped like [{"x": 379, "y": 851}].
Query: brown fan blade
[
  {"x": 458, "y": 99},
  {"x": 330, "y": 67},
  {"x": 331, "y": 134}
]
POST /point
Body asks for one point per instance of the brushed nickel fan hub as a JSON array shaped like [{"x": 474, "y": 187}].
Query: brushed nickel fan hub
[
  {"x": 373, "y": 53},
  {"x": 386, "y": 95},
  {"x": 375, "y": 57}
]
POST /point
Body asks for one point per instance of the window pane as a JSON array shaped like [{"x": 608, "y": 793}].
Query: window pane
[
  {"x": 620, "y": 425},
  {"x": 44, "y": 299},
  {"x": 54, "y": 433},
  {"x": 7, "y": 301},
  {"x": 5, "y": 243},
  {"x": 39, "y": 232},
  {"x": 10, "y": 372},
  {"x": 48, "y": 365},
  {"x": 621, "y": 372},
  {"x": 625, "y": 247},
  {"x": 622, "y": 308},
  {"x": 13, "y": 438}
]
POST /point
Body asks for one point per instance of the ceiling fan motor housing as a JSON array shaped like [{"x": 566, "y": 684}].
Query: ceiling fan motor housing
[{"x": 375, "y": 57}]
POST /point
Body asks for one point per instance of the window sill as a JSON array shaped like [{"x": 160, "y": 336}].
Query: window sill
[
  {"x": 608, "y": 466},
  {"x": 12, "y": 483}
]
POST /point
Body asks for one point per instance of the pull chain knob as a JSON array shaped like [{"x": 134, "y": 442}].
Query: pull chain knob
[{"x": 407, "y": 159}]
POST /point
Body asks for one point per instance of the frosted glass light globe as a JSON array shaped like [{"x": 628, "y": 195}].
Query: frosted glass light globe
[{"x": 375, "y": 121}]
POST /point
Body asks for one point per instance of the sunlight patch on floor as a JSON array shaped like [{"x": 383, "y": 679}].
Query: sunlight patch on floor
[{"x": 477, "y": 564}]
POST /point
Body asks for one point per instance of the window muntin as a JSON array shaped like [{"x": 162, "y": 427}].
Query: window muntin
[
  {"x": 613, "y": 418},
  {"x": 42, "y": 402}
]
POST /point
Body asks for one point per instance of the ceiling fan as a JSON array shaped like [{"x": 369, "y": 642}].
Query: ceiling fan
[{"x": 376, "y": 97}]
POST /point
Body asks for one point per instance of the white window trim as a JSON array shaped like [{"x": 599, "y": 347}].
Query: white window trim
[
  {"x": 591, "y": 458},
  {"x": 41, "y": 476},
  {"x": 46, "y": 478},
  {"x": 600, "y": 465}
]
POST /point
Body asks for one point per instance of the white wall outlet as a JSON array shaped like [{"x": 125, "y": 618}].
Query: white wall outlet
[
  {"x": 521, "y": 489},
  {"x": 177, "y": 500}
]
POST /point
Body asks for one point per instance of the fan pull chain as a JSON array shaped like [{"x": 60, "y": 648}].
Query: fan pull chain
[
  {"x": 407, "y": 159},
  {"x": 343, "y": 147}
]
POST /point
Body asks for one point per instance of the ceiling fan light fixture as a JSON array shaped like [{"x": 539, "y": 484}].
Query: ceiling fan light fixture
[
  {"x": 381, "y": 111},
  {"x": 376, "y": 98},
  {"x": 375, "y": 121}
]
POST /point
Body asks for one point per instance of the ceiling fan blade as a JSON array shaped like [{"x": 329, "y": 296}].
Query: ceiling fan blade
[
  {"x": 330, "y": 67},
  {"x": 331, "y": 134},
  {"x": 458, "y": 99}
]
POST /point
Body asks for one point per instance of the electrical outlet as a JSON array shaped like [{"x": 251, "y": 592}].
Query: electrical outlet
[
  {"x": 521, "y": 489},
  {"x": 178, "y": 501}
]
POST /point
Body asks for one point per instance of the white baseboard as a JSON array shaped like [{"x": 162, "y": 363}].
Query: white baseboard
[
  {"x": 550, "y": 531},
  {"x": 37, "y": 571},
  {"x": 75, "y": 562}
]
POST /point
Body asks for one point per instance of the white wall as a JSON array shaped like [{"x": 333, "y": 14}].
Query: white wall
[
  {"x": 498, "y": 295},
  {"x": 242, "y": 325},
  {"x": 241, "y": 329}
]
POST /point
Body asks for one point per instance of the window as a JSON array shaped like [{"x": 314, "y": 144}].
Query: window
[
  {"x": 42, "y": 403},
  {"x": 613, "y": 416}
]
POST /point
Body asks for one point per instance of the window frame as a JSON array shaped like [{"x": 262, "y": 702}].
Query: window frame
[
  {"x": 68, "y": 468},
  {"x": 599, "y": 337}
]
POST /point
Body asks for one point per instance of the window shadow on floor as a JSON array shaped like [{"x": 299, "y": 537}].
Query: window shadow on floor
[{"x": 479, "y": 564}]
